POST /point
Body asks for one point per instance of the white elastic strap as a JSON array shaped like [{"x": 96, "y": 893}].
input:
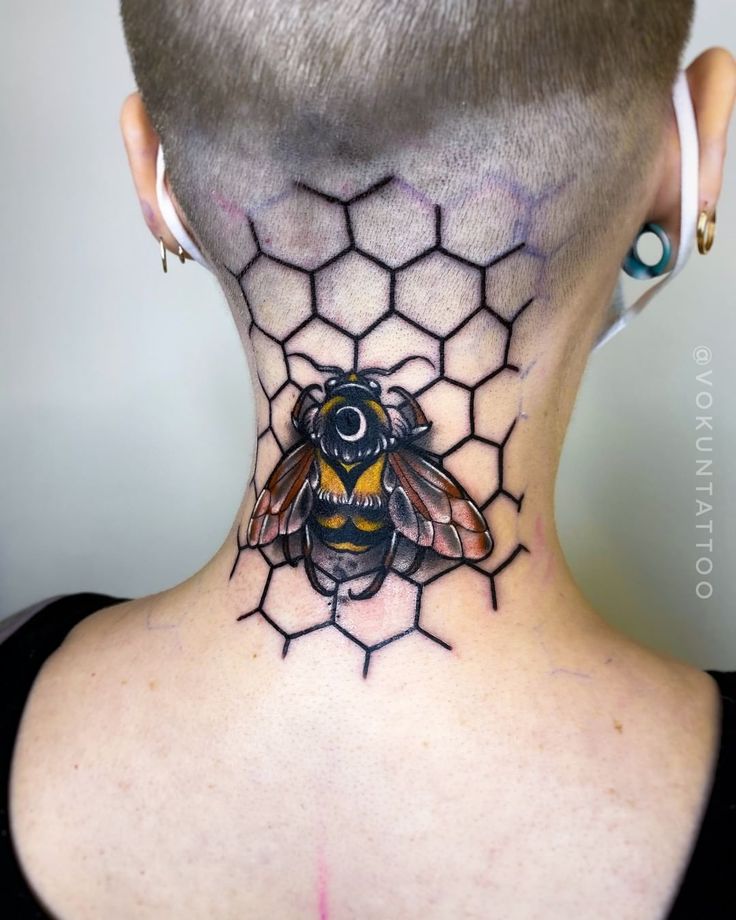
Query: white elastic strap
[
  {"x": 689, "y": 202},
  {"x": 168, "y": 212}
]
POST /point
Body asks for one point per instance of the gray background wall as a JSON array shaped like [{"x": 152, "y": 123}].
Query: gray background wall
[{"x": 125, "y": 420}]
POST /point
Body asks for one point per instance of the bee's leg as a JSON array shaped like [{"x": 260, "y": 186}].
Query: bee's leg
[
  {"x": 420, "y": 421},
  {"x": 309, "y": 564},
  {"x": 296, "y": 412},
  {"x": 416, "y": 561},
  {"x": 388, "y": 559},
  {"x": 286, "y": 546},
  {"x": 380, "y": 576}
]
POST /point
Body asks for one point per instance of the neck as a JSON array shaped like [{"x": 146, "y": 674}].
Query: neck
[{"x": 409, "y": 420}]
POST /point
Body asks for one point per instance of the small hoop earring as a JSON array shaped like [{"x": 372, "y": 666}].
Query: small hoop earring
[
  {"x": 633, "y": 265},
  {"x": 162, "y": 250},
  {"x": 182, "y": 255},
  {"x": 706, "y": 231}
]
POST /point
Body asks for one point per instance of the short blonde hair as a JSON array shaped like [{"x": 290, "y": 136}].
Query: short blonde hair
[{"x": 325, "y": 81}]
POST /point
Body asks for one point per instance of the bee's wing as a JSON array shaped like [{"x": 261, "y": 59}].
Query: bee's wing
[
  {"x": 430, "y": 508},
  {"x": 286, "y": 500}
]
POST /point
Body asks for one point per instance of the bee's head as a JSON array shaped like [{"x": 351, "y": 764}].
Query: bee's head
[
  {"x": 351, "y": 423},
  {"x": 352, "y": 381}
]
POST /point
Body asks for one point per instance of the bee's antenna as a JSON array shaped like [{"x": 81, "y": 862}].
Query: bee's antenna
[
  {"x": 322, "y": 368},
  {"x": 387, "y": 371}
]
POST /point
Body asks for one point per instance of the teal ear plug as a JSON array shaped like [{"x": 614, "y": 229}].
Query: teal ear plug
[{"x": 633, "y": 264}]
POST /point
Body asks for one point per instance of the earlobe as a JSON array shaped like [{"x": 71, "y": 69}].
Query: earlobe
[
  {"x": 712, "y": 79},
  {"x": 712, "y": 82},
  {"x": 686, "y": 205},
  {"x": 186, "y": 248},
  {"x": 141, "y": 145}
]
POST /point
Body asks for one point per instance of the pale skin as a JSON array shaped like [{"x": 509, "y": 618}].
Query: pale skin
[{"x": 172, "y": 764}]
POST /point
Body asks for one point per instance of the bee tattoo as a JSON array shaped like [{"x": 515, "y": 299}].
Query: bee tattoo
[{"x": 357, "y": 481}]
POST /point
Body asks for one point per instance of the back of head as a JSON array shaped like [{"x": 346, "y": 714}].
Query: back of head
[
  {"x": 448, "y": 159},
  {"x": 563, "y": 100}
]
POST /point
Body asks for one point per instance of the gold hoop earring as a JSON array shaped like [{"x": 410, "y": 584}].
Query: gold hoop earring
[
  {"x": 706, "y": 231},
  {"x": 182, "y": 255},
  {"x": 162, "y": 250}
]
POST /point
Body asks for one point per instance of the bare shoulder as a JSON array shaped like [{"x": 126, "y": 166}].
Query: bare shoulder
[
  {"x": 72, "y": 712},
  {"x": 78, "y": 686},
  {"x": 670, "y": 704},
  {"x": 71, "y": 672},
  {"x": 68, "y": 673},
  {"x": 671, "y": 713},
  {"x": 688, "y": 694}
]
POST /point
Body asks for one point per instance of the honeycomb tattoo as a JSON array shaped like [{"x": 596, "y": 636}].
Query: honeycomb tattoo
[{"x": 355, "y": 493}]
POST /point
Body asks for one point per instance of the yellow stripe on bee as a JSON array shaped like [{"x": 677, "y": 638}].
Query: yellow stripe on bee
[
  {"x": 333, "y": 521},
  {"x": 377, "y": 409},
  {"x": 348, "y": 546},
  {"x": 330, "y": 404},
  {"x": 329, "y": 481},
  {"x": 366, "y": 525},
  {"x": 369, "y": 482}
]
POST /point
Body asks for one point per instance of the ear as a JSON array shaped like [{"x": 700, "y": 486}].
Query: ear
[
  {"x": 712, "y": 81},
  {"x": 141, "y": 144}
]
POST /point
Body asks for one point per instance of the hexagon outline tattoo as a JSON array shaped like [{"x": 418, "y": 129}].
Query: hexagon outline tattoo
[{"x": 358, "y": 499}]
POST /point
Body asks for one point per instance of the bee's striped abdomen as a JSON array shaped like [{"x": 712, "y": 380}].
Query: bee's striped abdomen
[{"x": 349, "y": 512}]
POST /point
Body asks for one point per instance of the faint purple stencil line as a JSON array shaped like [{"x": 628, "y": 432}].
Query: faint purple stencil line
[{"x": 571, "y": 673}]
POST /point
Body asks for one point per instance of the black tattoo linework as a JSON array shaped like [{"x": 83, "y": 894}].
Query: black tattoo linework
[{"x": 370, "y": 544}]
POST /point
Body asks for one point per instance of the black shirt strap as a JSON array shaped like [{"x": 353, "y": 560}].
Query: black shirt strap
[{"x": 708, "y": 889}]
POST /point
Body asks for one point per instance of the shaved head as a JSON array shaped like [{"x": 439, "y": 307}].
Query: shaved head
[
  {"x": 563, "y": 96},
  {"x": 362, "y": 66}
]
